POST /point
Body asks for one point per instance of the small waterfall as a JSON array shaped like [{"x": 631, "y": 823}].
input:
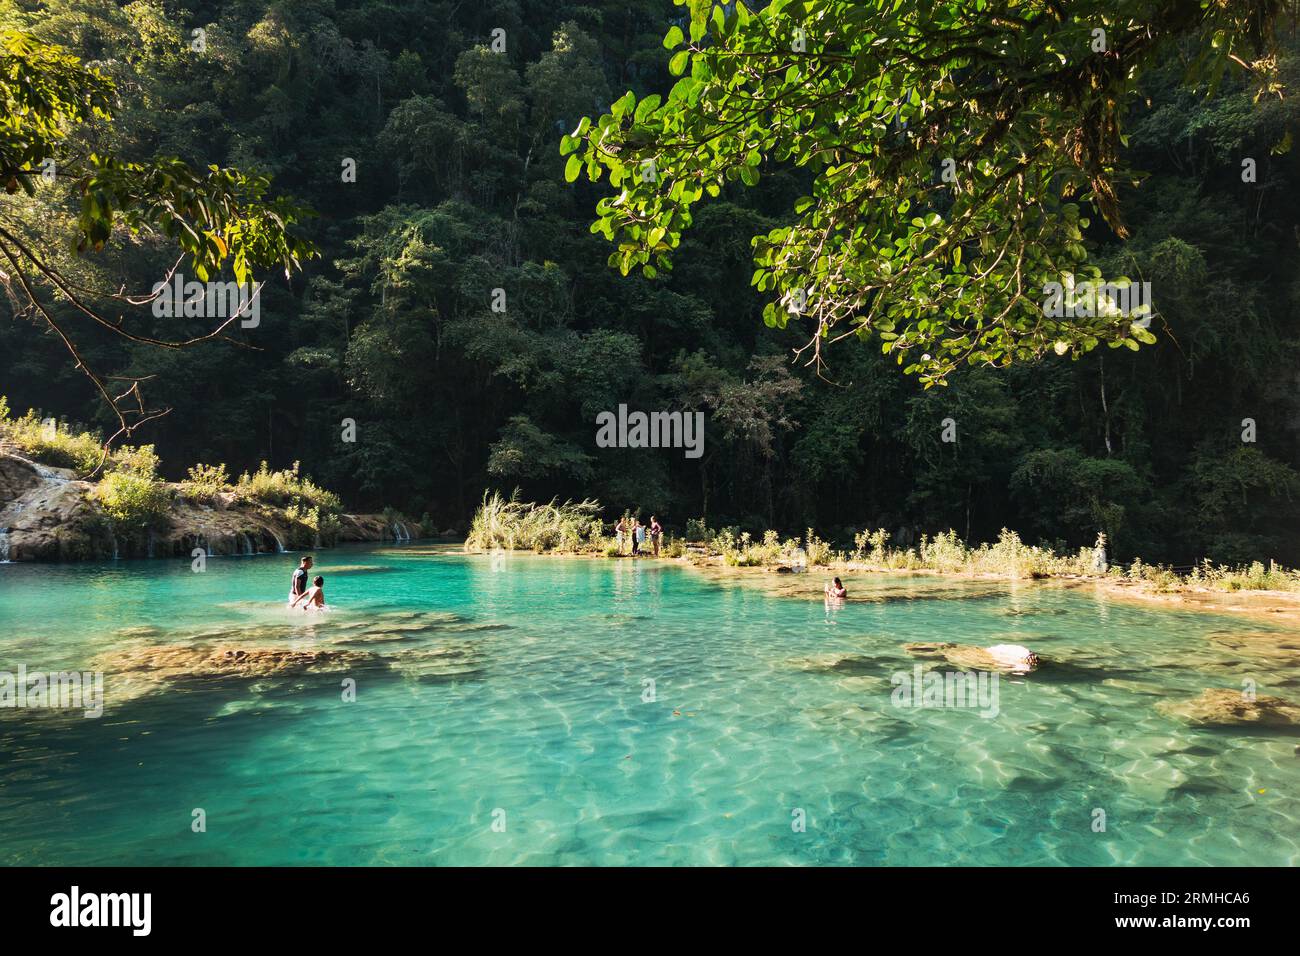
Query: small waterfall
[
  {"x": 149, "y": 545},
  {"x": 279, "y": 545},
  {"x": 116, "y": 556},
  {"x": 4, "y": 545},
  {"x": 400, "y": 533}
]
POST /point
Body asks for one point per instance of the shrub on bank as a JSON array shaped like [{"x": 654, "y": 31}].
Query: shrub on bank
[
  {"x": 287, "y": 488},
  {"x": 50, "y": 442},
  {"x": 205, "y": 483},
  {"x": 133, "y": 501}
]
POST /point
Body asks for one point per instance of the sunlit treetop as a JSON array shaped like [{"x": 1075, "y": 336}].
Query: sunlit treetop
[{"x": 956, "y": 151}]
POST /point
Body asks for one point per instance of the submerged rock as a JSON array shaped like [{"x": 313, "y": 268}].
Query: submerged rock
[
  {"x": 170, "y": 661},
  {"x": 394, "y": 627},
  {"x": 355, "y": 569},
  {"x": 139, "y": 630},
  {"x": 928, "y": 649},
  {"x": 439, "y": 664},
  {"x": 1134, "y": 686},
  {"x": 1279, "y": 647},
  {"x": 842, "y": 664},
  {"x": 467, "y": 626},
  {"x": 1223, "y": 707},
  {"x": 139, "y": 671}
]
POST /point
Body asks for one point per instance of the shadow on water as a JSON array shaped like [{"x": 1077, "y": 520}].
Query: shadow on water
[{"x": 1070, "y": 672}]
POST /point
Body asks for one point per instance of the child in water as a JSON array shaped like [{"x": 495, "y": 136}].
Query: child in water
[
  {"x": 313, "y": 596},
  {"x": 836, "y": 590}
]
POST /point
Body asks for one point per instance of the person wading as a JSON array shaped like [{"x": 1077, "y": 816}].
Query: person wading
[{"x": 298, "y": 585}]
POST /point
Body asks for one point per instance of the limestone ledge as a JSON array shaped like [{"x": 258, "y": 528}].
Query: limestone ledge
[{"x": 47, "y": 514}]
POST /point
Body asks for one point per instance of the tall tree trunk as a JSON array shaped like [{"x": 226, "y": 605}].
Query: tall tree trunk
[
  {"x": 1105, "y": 411},
  {"x": 704, "y": 492},
  {"x": 966, "y": 540}
]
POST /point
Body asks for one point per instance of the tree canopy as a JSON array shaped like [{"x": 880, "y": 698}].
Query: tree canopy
[
  {"x": 215, "y": 216},
  {"x": 953, "y": 150},
  {"x": 460, "y": 192}
]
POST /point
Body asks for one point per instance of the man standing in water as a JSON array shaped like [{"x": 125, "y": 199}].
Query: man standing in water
[{"x": 298, "y": 585}]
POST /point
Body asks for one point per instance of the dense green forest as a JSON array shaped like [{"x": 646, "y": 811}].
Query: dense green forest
[{"x": 460, "y": 190}]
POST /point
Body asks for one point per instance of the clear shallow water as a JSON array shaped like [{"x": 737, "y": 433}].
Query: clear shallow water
[{"x": 524, "y": 694}]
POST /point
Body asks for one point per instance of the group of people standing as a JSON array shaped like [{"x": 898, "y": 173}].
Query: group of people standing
[{"x": 631, "y": 529}]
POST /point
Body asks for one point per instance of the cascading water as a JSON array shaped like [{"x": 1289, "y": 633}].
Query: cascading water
[
  {"x": 400, "y": 534},
  {"x": 4, "y": 545},
  {"x": 279, "y": 545}
]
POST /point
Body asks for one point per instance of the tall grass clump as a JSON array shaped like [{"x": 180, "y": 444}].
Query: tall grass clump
[
  {"x": 817, "y": 550},
  {"x": 205, "y": 483},
  {"x": 1256, "y": 577},
  {"x": 1011, "y": 557},
  {"x": 287, "y": 488},
  {"x": 944, "y": 552},
  {"x": 739, "y": 549},
  {"x": 515, "y": 525},
  {"x": 50, "y": 442}
]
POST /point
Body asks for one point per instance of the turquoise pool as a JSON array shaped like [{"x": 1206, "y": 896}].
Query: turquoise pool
[{"x": 502, "y": 715}]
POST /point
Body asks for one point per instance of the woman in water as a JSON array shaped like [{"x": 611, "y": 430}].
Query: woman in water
[
  {"x": 837, "y": 590},
  {"x": 313, "y": 596}
]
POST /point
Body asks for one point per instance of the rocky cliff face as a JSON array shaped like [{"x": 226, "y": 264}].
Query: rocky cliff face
[{"x": 46, "y": 514}]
